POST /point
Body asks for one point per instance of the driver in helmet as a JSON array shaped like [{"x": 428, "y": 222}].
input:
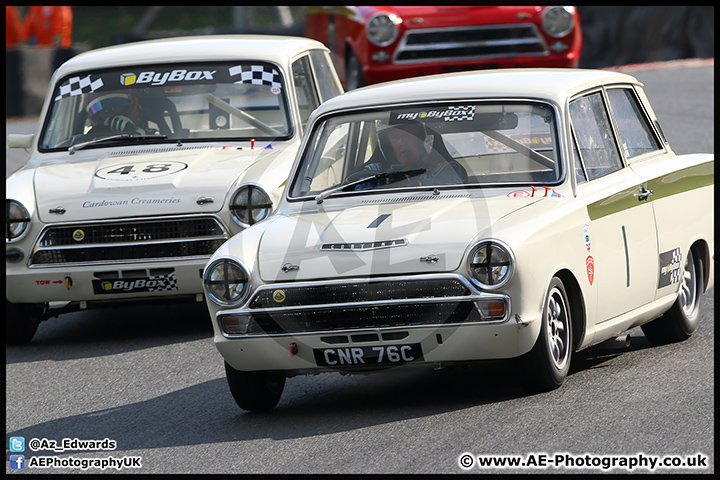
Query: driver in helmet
[
  {"x": 408, "y": 146},
  {"x": 113, "y": 112}
]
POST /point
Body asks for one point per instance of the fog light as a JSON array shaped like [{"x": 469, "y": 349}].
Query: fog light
[
  {"x": 226, "y": 282},
  {"x": 558, "y": 47},
  {"x": 381, "y": 56},
  {"x": 235, "y": 324},
  {"x": 491, "y": 264},
  {"x": 491, "y": 310},
  {"x": 250, "y": 204},
  {"x": 17, "y": 220}
]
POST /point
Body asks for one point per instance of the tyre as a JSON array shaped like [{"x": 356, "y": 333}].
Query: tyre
[
  {"x": 255, "y": 391},
  {"x": 679, "y": 323},
  {"x": 548, "y": 363},
  {"x": 21, "y": 321},
  {"x": 355, "y": 78}
]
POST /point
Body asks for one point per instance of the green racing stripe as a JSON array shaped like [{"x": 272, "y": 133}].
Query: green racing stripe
[
  {"x": 673, "y": 183},
  {"x": 684, "y": 180}
]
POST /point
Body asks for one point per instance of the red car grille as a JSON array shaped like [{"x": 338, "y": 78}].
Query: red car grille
[{"x": 458, "y": 43}]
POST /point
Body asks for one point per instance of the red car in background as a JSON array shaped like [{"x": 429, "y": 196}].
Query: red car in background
[{"x": 376, "y": 44}]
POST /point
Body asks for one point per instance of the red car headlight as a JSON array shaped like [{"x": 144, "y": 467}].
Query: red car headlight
[
  {"x": 558, "y": 21},
  {"x": 382, "y": 29}
]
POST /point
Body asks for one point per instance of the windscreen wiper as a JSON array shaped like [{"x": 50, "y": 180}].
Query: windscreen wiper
[
  {"x": 130, "y": 136},
  {"x": 385, "y": 179}
]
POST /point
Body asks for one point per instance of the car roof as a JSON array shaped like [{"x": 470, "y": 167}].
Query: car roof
[
  {"x": 553, "y": 84},
  {"x": 272, "y": 48}
]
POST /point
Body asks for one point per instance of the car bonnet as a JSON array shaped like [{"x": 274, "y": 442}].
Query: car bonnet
[
  {"x": 106, "y": 185},
  {"x": 378, "y": 239}
]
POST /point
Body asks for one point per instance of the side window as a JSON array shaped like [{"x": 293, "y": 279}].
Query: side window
[
  {"x": 593, "y": 132},
  {"x": 329, "y": 169},
  {"x": 70, "y": 118},
  {"x": 635, "y": 132},
  {"x": 327, "y": 81},
  {"x": 305, "y": 87}
]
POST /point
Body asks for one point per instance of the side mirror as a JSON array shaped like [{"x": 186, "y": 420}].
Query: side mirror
[{"x": 17, "y": 140}]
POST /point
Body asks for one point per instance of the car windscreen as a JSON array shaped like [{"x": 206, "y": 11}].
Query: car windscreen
[
  {"x": 462, "y": 144},
  {"x": 181, "y": 102}
]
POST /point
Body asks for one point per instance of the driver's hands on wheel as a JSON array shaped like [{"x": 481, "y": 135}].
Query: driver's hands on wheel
[{"x": 122, "y": 124}]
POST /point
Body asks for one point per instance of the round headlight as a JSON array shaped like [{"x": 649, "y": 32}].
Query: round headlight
[
  {"x": 17, "y": 220},
  {"x": 382, "y": 30},
  {"x": 491, "y": 264},
  {"x": 226, "y": 282},
  {"x": 558, "y": 21},
  {"x": 250, "y": 204}
]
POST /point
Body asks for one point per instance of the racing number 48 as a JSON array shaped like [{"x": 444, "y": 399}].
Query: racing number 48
[{"x": 151, "y": 168}]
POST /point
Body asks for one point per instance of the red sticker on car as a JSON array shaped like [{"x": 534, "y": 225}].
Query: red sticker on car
[
  {"x": 590, "y": 267},
  {"x": 518, "y": 193}
]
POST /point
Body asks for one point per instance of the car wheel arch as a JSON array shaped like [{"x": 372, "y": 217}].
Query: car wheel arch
[
  {"x": 577, "y": 305},
  {"x": 681, "y": 320},
  {"x": 702, "y": 251}
]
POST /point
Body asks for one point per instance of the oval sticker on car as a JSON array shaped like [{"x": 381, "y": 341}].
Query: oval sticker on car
[{"x": 129, "y": 172}]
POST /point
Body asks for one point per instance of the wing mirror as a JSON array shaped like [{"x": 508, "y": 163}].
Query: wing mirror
[{"x": 17, "y": 140}]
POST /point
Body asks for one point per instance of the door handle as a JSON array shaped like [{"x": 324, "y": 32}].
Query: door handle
[{"x": 644, "y": 193}]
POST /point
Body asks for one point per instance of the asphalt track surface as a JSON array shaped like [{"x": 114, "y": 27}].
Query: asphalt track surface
[{"x": 151, "y": 380}]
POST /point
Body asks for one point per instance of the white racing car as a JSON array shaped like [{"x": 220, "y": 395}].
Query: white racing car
[
  {"x": 147, "y": 158},
  {"x": 437, "y": 221}
]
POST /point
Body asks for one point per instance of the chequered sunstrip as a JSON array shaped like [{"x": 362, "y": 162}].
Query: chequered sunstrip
[
  {"x": 78, "y": 86},
  {"x": 469, "y": 113},
  {"x": 256, "y": 75}
]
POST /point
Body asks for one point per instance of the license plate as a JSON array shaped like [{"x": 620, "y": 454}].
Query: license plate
[{"x": 368, "y": 355}]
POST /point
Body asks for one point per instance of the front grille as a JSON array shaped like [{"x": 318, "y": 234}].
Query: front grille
[
  {"x": 385, "y": 316},
  {"x": 139, "y": 240},
  {"x": 443, "y": 44},
  {"x": 358, "y": 305},
  {"x": 354, "y": 292}
]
